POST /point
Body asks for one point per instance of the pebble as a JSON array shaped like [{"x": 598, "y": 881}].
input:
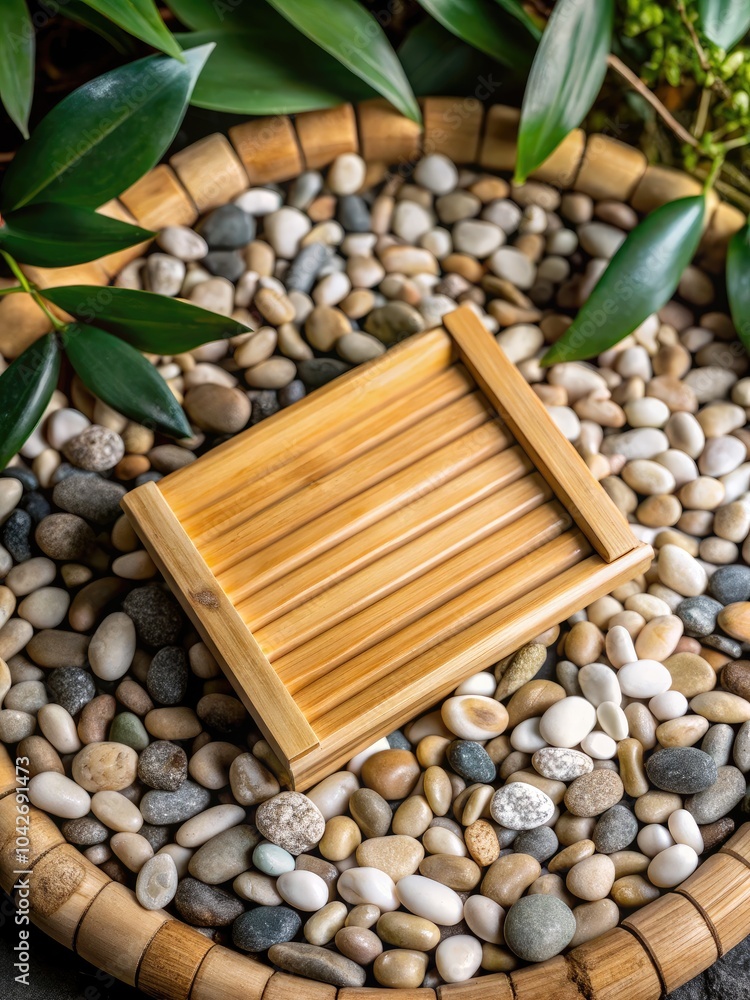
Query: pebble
[
  {"x": 719, "y": 799},
  {"x": 156, "y": 615},
  {"x": 71, "y": 687},
  {"x": 684, "y": 770},
  {"x": 643, "y": 679},
  {"x": 105, "y": 766},
  {"x": 225, "y": 855},
  {"x": 405, "y": 930},
  {"x": 206, "y": 905},
  {"x": 428, "y": 899},
  {"x": 615, "y": 830},
  {"x": 672, "y": 865},
  {"x": 592, "y": 878},
  {"x": 163, "y": 765},
  {"x": 303, "y": 890},
  {"x": 291, "y": 821},
  {"x": 594, "y": 793},
  {"x": 469, "y": 759},
  {"x": 721, "y": 706},
  {"x": 369, "y": 885},
  {"x": 167, "y": 676},
  {"x": 163, "y": 808},
  {"x": 391, "y": 773},
  {"x": 95, "y": 449},
  {"x": 396, "y": 855},
  {"x": 538, "y": 927},
  {"x": 89, "y": 496},
  {"x": 561, "y": 764},
  {"x": 56, "y": 794},
  {"x": 156, "y": 884},
  {"x": 567, "y": 722},
  {"x": 520, "y": 806},
  {"x": 458, "y": 958}
]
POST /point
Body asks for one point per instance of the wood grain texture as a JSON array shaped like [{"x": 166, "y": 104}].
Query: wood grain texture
[
  {"x": 42, "y": 834},
  {"x": 171, "y": 961},
  {"x": 210, "y": 171},
  {"x": 676, "y": 936},
  {"x": 8, "y": 778},
  {"x": 720, "y": 888},
  {"x": 738, "y": 845},
  {"x": 325, "y": 134},
  {"x": 609, "y": 169},
  {"x": 498, "y": 148},
  {"x": 453, "y": 127},
  {"x": 374, "y": 993},
  {"x": 527, "y": 417},
  {"x": 561, "y": 166},
  {"x": 492, "y": 987},
  {"x": 614, "y": 966},
  {"x": 116, "y": 931},
  {"x": 385, "y": 134},
  {"x": 57, "y": 913},
  {"x": 662, "y": 184},
  {"x": 552, "y": 978},
  {"x": 282, "y": 986},
  {"x": 225, "y": 974},
  {"x": 158, "y": 199},
  {"x": 22, "y": 323},
  {"x": 268, "y": 149},
  {"x": 223, "y": 630}
]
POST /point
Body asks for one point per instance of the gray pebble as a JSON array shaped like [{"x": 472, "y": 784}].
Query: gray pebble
[
  {"x": 64, "y": 536},
  {"x": 225, "y": 856},
  {"x": 90, "y": 496},
  {"x": 538, "y": 927},
  {"x": 730, "y": 584},
  {"x": 741, "y": 753},
  {"x": 718, "y": 743},
  {"x": 305, "y": 188},
  {"x": 157, "y": 836},
  {"x": 540, "y": 843},
  {"x": 84, "y": 832},
  {"x": 306, "y": 267},
  {"x": 567, "y": 676},
  {"x": 97, "y": 449},
  {"x": 264, "y": 404},
  {"x": 72, "y": 688},
  {"x": 15, "y": 535},
  {"x": 684, "y": 770},
  {"x": 698, "y": 615},
  {"x": 292, "y": 393},
  {"x": 353, "y": 214},
  {"x": 471, "y": 761},
  {"x": 205, "y": 905},
  {"x": 164, "y": 808},
  {"x": 156, "y": 614},
  {"x": 261, "y": 928},
  {"x": 26, "y": 696},
  {"x": 35, "y": 505},
  {"x": 315, "y": 372},
  {"x": 724, "y": 645},
  {"x": 615, "y": 830},
  {"x": 15, "y": 726},
  {"x": 167, "y": 676},
  {"x": 715, "y": 802},
  {"x": 397, "y": 741},
  {"x": 313, "y": 962},
  {"x": 163, "y": 765},
  {"x": 227, "y": 228},
  {"x": 227, "y": 264}
]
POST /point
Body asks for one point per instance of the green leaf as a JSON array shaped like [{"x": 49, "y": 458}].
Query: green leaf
[
  {"x": 352, "y": 35},
  {"x": 738, "y": 283},
  {"x": 139, "y": 18},
  {"x": 481, "y": 23},
  {"x": 148, "y": 321},
  {"x": 436, "y": 62},
  {"x": 55, "y": 235},
  {"x": 104, "y": 136},
  {"x": 26, "y": 387},
  {"x": 201, "y": 16},
  {"x": 724, "y": 22},
  {"x": 270, "y": 71},
  {"x": 514, "y": 8},
  {"x": 17, "y": 45},
  {"x": 640, "y": 279},
  {"x": 76, "y": 10},
  {"x": 566, "y": 76},
  {"x": 120, "y": 376}
]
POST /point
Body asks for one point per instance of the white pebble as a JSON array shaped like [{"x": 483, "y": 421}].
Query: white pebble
[
  {"x": 429, "y": 899},
  {"x": 436, "y": 173},
  {"x": 613, "y": 720},
  {"x": 598, "y": 745},
  {"x": 58, "y": 795},
  {"x": 485, "y": 918},
  {"x": 672, "y": 866},
  {"x": 369, "y": 885},
  {"x": 303, "y": 889},
  {"x": 566, "y": 722},
  {"x": 668, "y": 705},
  {"x": 599, "y": 683},
  {"x": 654, "y": 838},
  {"x": 685, "y": 830},
  {"x": 644, "y": 678},
  {"x": 458, "y": 957}
]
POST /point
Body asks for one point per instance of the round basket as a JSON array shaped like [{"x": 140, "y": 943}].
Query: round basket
[{"x": 660, "y": 946}]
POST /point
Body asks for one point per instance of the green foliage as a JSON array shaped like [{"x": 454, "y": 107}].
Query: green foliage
[
  {"x": 724, "y": 22},
  {"x": 56, "y": 235},
  {"x": 486, "y": 26},
  {"x": 17, "y": 45},
  {"x": 141, "y": 19},
  {"x": 119, "y": 375},
  {"x": 566, "y": 76},
  {"x": 641, "y": 278},
  {"x": 105, "y": 135},
  {"x": 26, "y": 387},
  {"x": 738, "y": 283},
  {"x": 150, "y": 322}
]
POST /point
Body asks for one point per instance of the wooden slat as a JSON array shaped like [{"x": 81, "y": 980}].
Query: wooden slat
[
  {"x": 411, "y": 561},
  {"x": 225, "y": 974},
  {"x": 720, "y": 888},
  {"x": 289, "y": 434},
  {"x": 492, "y": 987},
  {"x": 430, "y": 676},
  {"x": 210, "y": 171},
  {"x": 464, "y": 424},
  {"x": 453, "y": 126},
  {"x": 172, "y": 960},
  {"x": 546, "y": 979},
  {"x": 254, "y": 679},
  {"x": 332, "y": 668},
  {"x": 264, "y": 486},
  {"x": 615, "y": 966},
  {"x": 325, "y": 134},
  {"x": 158, "y": 199},
  {"x": 525, "y": 414},
  {"x": 380, "y": 539},
  {"x": 268, "y": 149},
  {"x": 385, "y": 134},
  {"x": 59, "y": 897}
]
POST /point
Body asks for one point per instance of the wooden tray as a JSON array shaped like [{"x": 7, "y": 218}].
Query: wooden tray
[{"x": 350, "y": 560}]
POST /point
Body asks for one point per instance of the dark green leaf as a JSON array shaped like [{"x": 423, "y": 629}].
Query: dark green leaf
[
  {"x": 271, "y": 70},
  {"x": 482, "y": 24},
  {"x": 514, "y": 8},
  {"x": 120, "y": 376},
  {"x": 139, "y": 18},
  {"x": 26, "y": 387},
  {"x": 724, "y": 22},
  {"x": 105, "y": 135},
  {"x": 346, "y": 30},
  {"x": 76, "y": 10},
  {"x": 738, "y": 283},
  {"x": 436, "y": 62},
  {"x": 566, "y": 76},
  {"x": 148, "y": 321},
  {"x": 201, "y": 16},
  {"x": 17, "y": 62},
  {"x": 56, "y": 235},
  {"x": 640, "y": 279}
]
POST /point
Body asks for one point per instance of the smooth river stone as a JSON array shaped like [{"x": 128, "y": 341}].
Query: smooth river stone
[
  {"x": 370, "y": 812},
  {"x": 56, "y": 794},
  {"x": 721, "y": 706},
  {"x": 429, "y": 899},
  {"x": 485, "y": 918},
  {"x": 538, "y": 927},
  {"x": 165, "y": 808},
  {"x": 105, "y": 766},
  {"x": 405, "y": 930},
  {"x": 715, "y": 802},
  {"x": 672, "y": 866},
  {"x": 400, "y": 968},
  {"x": 261, "y": 928},
  {"x": 304, "y": 890},
  {"x": 117, "y": 812},
  {"x": 359, "y": 944},
  {"x": 391, "y": 773},
  {"x": 332, "y": 794},
  {"x": 520, "y": 806},
  {"x": 474, "y": 717},
  {"x": 457, "y": 958},
  {"x": 594, "y": 793},
  {"x": 292, "y": 821},
  {"x": 567, "y": 722},
  {"x": 199, "y": 829},
  {"x": 593, "y": 919},
  {"x": 599, "y": 683},
  {"x": 397, "y": 856},
  {"x": 684, "y": 770},
  {"x": 314, "y": 962},
  {"x": 561, "y": 764},
  {"x": 369, "y": 885},
  {"x": 112, "y": 646},
  {"x": 156, "y": 884},
  {"x": 591, "y": 878},
  {"x": 615, "y": 830},
  {"x": 272, "y": 860},
  {"x": 461, "y": 874},
  {"x": 509, "y": 877},
  {"x": 644, "y": 678},
  {"x": 685, "y": 830},
  {"x": 206, "y": 905},
  {"x": 224, "y": 856}
]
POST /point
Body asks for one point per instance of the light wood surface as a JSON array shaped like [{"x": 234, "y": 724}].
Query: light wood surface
[
  {"x": 386, "y": 135},
  {"x": 268, "y": 149},
  {"x": 171, "y": 961},
  {"x": 609, "y": 169},
  {"x": 496, "y": 986},
  {"x": 614, "y": 966},
  {"x": 225, "y": 974},
  {"x": 552, "y": 978},
  {"x": 158, "y": 199},
  {"x": 63, "y": 885},
  {"x": 720, "y": 888},
  {"x": 324, "y": 135},
  {"x": 210, "y": 171},
  {"x": 453, "y": 127}
]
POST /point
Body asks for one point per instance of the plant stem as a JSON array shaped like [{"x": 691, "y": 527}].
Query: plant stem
[
  {"x": 693, "y": 36},
  {"x": 736, "y": 143},
  {"x": 10, "y": 291},
  {"x": 26, "y": 286},
  {"x": 699, "y": 127},
  {"x": 713, "y": 173},
  {"x": 640, "y": 87}
]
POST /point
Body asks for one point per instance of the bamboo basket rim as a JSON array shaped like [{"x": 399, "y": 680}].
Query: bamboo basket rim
[{"x": 77, "y": 903}]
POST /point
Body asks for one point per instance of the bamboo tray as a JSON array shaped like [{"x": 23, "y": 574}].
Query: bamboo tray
[
  {"x": 351, "y": 560},
  {"x": 655, "y": 950}
]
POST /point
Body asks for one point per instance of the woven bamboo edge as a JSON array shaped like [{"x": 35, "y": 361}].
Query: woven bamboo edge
[{"x": 76, "y": 903}]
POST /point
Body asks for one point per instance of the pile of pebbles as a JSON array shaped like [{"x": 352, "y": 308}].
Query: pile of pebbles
[{"x": 543, "y": 800}]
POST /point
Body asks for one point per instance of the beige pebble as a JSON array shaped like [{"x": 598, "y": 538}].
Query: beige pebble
[
  {"x": 656, "y": 806},
  {"x": 593, "y": 919},
  {"x": 116, "y": 811},
  {"x": 412, "y": 817},
  {"x": 105, "y": 766},
  {"x": 400, "y": 968},
  {"x": 59, "y": 728},
  {"x": 632, "y": 891},
  {"x": 659, "y": 637},
  {"x": 721, "y": 706},
  {"x": 322, "y": 927},
  {"x": 341, "y": 838},
  {"x": 482, "y": 843},
  {"x": 682, "y": 732},
  {"x": 437, "y": 789},
  {"x": 571, "y": 855},
  {"x": 461, "y": 874},
  {"x": 734, "y": 619},
  {"x": 691, "y": 674},
  {"x": 632, "y": 772},
  {"x": 508, "y": 878},
  {"x": 592, "y": 878},
  {"x": 594, "y": 793},
  {"x": 132, "y": 849}
]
